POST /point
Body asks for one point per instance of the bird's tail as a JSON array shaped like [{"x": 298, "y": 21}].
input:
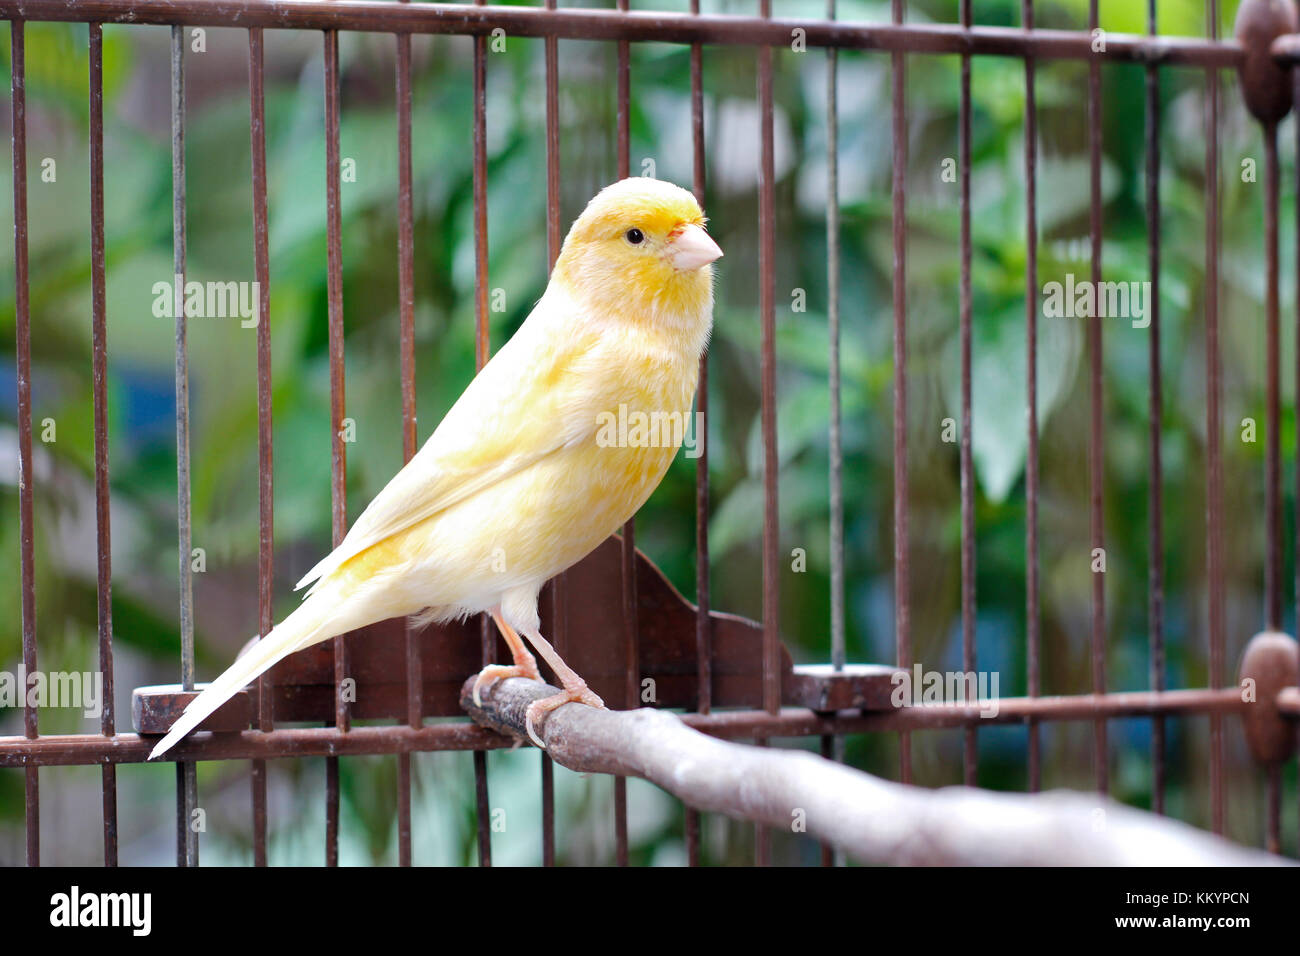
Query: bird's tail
[{"x": 304, "y": 627}]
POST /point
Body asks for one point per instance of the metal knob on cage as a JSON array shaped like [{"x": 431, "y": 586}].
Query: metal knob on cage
[
  {"x": 1270, "y": 661},
  {"x": 1265, "y": 86}
]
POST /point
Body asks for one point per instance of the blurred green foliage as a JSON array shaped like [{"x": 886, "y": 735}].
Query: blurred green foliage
[{"x": 222, "y": 356}]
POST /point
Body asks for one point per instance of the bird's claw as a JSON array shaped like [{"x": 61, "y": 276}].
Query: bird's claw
[
  {"x": 540, "y": 708},
  {"x": 495, "y": 672}
]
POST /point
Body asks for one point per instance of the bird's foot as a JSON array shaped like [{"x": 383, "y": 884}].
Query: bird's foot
[
  {"x": 578, "y": 693},
  {"x": 495, "y": 672}
]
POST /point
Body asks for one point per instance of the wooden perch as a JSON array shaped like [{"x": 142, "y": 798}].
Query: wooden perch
[{"x": 873, "y": 820}]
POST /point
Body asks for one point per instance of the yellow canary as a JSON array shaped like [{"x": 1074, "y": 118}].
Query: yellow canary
[{"x": 524, "y": 476}]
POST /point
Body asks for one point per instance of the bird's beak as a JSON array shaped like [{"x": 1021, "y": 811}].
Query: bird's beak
[{"x": 690, "y": 248}]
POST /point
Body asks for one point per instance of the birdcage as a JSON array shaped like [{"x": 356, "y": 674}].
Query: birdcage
[{"x": 617, "y": 619}]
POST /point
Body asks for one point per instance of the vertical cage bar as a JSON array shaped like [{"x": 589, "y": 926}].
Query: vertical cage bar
[
  {"x": 1096, "y": 449},
  {"x": 834, "y": 746},
  {"x": 187, "y": 844},
  {"x": 902, "y": 595},
  {"x": 23, "y": 368},
  {"x": 624, "y": 101},
  {"x": 548, "y": 811},
  {"x": 827, "y": 749},
  {"x": 1295, "y": 79},
  {"x": 338, "y": 469},
  {"x": 552, "y": 253},
  {"x": 703, "y": 625},
  {"x": 767, "y": 318},
  {"x": 1273, "y": 461},
  {"x": 482, "y": 336},
  {"x": 265, "y": 450},
  {"x": 482, "y": 807},
  {"x": 969, "y": 741},
  {"x": 406, "y": 313},
  {"x": 1273, "y": 359},
  {"x": 1033, "y": 635},
  {"x": 482, "y": 350},
  {"x": 1213, "y": 426},
  {"x": 99, "y": 361},
  {"x": 632, "y": 671},
  {"x": 631, "y": 667},
  {"x": 1155, "y": 506},
  {"x": 552, "y": 146},
  {"x": 767, "y": 372},
  {"x": 631, "y": 637},
  {"x": 838, "y": 653}
]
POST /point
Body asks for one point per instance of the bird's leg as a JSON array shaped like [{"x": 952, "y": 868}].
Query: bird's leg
[
  {"x": 575, "y": 688},
  {"x": 525, "y": 664}
]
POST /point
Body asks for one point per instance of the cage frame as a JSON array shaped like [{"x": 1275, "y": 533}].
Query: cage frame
[{"x": 763, "y": 33}]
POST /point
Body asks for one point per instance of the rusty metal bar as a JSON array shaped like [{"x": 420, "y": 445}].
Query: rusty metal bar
[
  {"x": 23, "y": 369},
  {"x": 483, "y": 809},
  {"x": 82, "y": 749},
  {"x": 838, "y": 653},
  {"x": 632, "y": 672},
  {"x": 1295, "y": 79},
  {"x": 1286, "y": 49},
  {"x": 631, "y": 639},
  {"x": 827, "y": 752},
  {"x": 703, "y": 621},
  {"x": 99, "y": 360},
  {"x": 624, "y": 118},
  {"x": 187, "y": 796},
  {"x": 548, "y": 811},
  {"x": 1273, "y": 464},
  {"x": 1011, "y": 710},
  {"x": 558, "y": 589},
  {"x": 767, "y": 373},
  {"x": 1155, "y": 506},
  {"x": 970, "y": 761},
  {"x": 834, "y": 747},
  {"x": 1096, "y": 448},
  {"x": 338, "y": 463},
  {"x": 902, "y": 583},
  {"x": 631, "y": 691},
  {"x": 1213, "y": 427},
  {"x": 482, "y": 332},
  {"x": 406, "y": 314},
  {"x": 603, "y": 24},
  {"x": 482, "y": 351},
  {"x": 553, "y": 239},
  {"x": 1033, "y": 622},
  {"x": 1273, "y": 365},
  {"x": 265, "y": 472},
  {"x": 1288, "y": 702},
  {"x": 625, "y": 27}
]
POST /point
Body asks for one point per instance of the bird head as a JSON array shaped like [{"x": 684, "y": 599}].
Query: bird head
[{"x": 639, "y": 250}]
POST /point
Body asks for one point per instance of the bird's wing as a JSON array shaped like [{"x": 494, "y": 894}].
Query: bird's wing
[{"x": 517, "y": 411}]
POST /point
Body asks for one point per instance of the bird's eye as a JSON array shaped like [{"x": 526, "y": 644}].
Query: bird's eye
[{"x": 635, "y": 236}]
